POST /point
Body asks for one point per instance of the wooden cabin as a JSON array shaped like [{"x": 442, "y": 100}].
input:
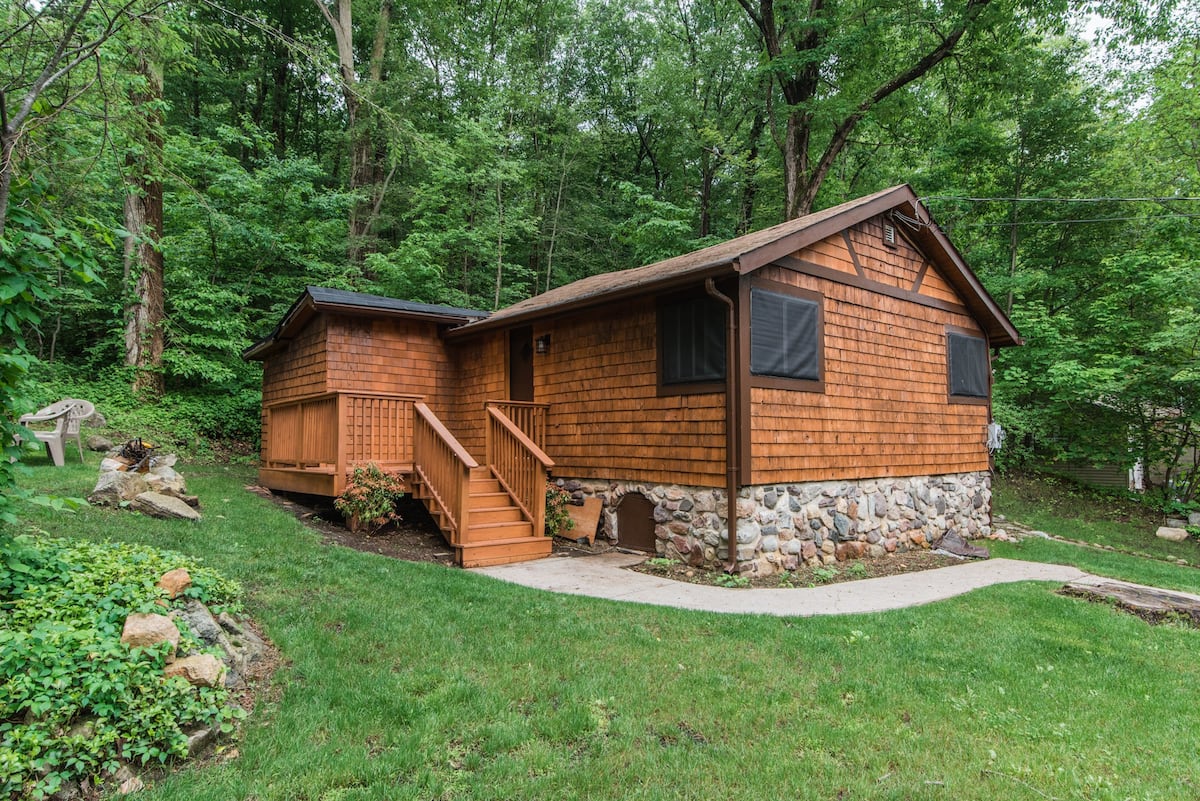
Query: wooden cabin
[{"x": 824, "y": 383}]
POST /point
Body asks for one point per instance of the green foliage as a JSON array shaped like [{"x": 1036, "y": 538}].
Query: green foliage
[
  {"x": 36, "y": 252},
  {"x": 558, "y": 517},
  {"x": 731, "y": 581},
  {"x": 825, "y": 574},
  {"x": 74, "y": 701},
  {"x": 369, "y": 499},
  {"x": 192, "y": 420}
]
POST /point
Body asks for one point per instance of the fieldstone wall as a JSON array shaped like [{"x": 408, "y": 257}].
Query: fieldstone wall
[{"x": 780, "y": 527}]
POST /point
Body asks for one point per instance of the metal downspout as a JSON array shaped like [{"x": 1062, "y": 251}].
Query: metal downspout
[{"x": 732, "y": 427}]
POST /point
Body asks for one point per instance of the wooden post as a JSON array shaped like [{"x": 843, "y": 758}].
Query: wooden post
[{"x": 343, "y": 439}]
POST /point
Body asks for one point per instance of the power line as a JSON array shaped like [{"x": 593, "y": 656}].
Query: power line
[
  {"x": 1059, "y": 199},
  {"x": 1020, "y": 223}
]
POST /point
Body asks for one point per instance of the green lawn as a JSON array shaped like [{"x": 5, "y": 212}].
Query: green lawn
[
  {"x": 1069, "y": 510},
  {"x": 411, "y": 681}
]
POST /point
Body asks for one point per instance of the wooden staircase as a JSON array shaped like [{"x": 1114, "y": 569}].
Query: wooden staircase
[{"x": 497, "y": 532}]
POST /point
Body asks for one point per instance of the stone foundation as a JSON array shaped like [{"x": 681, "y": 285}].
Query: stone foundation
[{"x": 780, "y": 527}]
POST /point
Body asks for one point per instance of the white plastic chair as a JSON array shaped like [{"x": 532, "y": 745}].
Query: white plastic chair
[{"x": 57, "y": 413}]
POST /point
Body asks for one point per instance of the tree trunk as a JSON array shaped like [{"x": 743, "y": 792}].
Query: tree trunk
[
  {"x": 145, "y": 314},
  {"x": 364, "y": 170},
  {"x": 750, "y": 187},
  {"x": 798, "y": 74}
]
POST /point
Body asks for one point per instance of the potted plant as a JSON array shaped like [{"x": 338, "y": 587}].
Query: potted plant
[{"x": 369, "y": 500}]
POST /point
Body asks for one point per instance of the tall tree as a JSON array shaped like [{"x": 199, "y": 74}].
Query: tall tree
[
  {"x": 145, "y": 312},
  {"x": 835, "y": 62},
  {"x": 366, "y": 173}
]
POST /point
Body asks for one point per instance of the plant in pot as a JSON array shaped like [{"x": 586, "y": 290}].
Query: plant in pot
[{"x": 369, "y": 500}]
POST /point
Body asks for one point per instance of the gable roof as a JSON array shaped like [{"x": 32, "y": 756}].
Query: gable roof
[
  {"x": 747, "y": 253},
  {"x": 317, "y": 299}
]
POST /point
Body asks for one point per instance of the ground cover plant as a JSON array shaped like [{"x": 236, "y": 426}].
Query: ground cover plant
[
  {"x": 417, "y": 681},
  {"x": 75, "y": 702}
]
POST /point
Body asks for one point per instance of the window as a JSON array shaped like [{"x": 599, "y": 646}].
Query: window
[
  {"x": 968, "y": 365},
  {"x": 784, "y": 336},
  {"x": 691, "y": 336}
]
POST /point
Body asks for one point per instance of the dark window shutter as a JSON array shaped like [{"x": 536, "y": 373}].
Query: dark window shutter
[
  {"x": 968, "y": 365},
  {"x": 784, "y": 339},
  {"x": 693, "y": 341}
]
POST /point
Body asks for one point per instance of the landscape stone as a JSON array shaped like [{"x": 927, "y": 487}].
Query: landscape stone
[
  {"x": 164, "y": 506},
  {"x": 113, "y": 487},
  {"x": 201, "y": 622},
  {"x": 1194, "y": 519},
  {"x": 198, "y": 739},
  {"x": 99, "y": 444},
  {"x": 1171, "y": 534},
  {"x": 200, "y": 670},
  {"x": 175, "y": 582},
  {"x": 142, "y": 630}
]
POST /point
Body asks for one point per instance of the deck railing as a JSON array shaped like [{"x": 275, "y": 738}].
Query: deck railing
[
  {"x": 520, "y": 465},
  {"x": 445, "y": 468},
  {"x": 333, "y": 431},
  {"x": 302, "y": 432},
  {"x": 529, "y": 417}
]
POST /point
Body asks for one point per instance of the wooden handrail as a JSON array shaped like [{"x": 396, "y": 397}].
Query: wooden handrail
[
  {"x": 529, "y": 416},
  {"x": 445, "y": 434},
  {"x": 520, "y": 466},
  {"x": 445, "y": 469},
  {"x": 520, "y": 436},
  {"x": 318, "y": 395}
]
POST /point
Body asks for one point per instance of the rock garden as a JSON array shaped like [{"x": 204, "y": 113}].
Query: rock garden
[{"x": 115, "y": 660}]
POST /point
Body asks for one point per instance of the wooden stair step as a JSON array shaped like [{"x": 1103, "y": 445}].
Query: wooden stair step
[
  {"x": 481, "y": 486},
  {"x": 496, "y": 514},
  {"x": 489, "y": 500},
  {"x": 489, "y": 532},
  {"x": 505, "y": 551}
]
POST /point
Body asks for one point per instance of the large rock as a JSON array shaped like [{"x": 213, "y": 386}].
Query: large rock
[
  {"x": 145, "y": 630},
  {"x": 952, "y": 543},
  {"x": 166, "y": 481},
  {"x": 114, "y": 487},
  {"x": 200, "y": 670},
  {"x": 156, "y": 504},
  {"x": 201, "y": 622},
  {"x": 175, "y": 582},
  {"x": 1171, "y": 533}
]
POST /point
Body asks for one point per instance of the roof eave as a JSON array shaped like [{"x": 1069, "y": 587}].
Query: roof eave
[
  {"x": 708, "y": 270},
  {"x": 790, "y": 243}
]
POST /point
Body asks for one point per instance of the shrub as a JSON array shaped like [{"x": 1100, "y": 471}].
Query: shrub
[
  {"x": 74, "y": 701},
  {"x": 558, "y": 519},
  {"x": 369, "y": 500}
]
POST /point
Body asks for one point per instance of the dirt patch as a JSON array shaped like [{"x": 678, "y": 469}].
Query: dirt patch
[
  {"x": 890, "y": 565},
  {"x": 414, "y": 538}
]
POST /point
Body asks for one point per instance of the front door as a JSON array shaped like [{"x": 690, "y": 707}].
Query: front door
[{"x": 520, "y": 364}]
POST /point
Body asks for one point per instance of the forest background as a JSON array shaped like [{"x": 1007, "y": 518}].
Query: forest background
[{"x": 174, "y": 173}]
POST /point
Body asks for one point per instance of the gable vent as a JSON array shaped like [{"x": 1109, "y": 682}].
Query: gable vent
[{"x": 889, "y": 234}]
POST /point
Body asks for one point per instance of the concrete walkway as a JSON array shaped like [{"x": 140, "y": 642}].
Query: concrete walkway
[{"x": 605, "y": 576}]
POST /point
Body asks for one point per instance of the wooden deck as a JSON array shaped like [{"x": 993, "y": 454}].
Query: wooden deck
[{"x": 490, "y": 514}]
